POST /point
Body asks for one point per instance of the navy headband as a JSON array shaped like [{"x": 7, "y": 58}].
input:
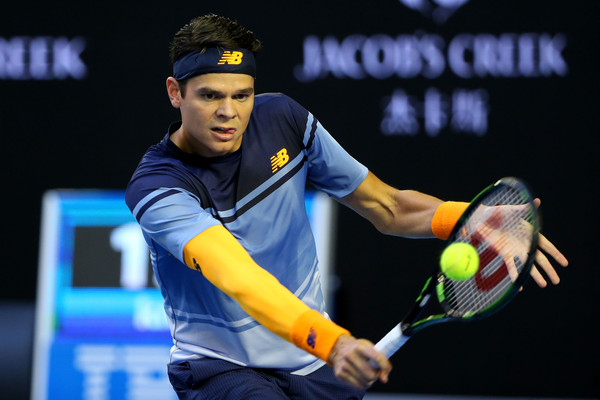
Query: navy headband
[{"x": 214, "y": 60}]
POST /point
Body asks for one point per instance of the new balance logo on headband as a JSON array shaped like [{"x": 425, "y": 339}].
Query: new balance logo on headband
[
  {"x": 231, "y": 58},
  {"x": 214, "y": 60}
]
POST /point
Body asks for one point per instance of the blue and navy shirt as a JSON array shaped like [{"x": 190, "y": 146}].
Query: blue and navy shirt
[{"x": 257, "y": 193}]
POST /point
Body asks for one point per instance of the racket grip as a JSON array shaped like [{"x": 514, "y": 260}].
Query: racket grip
[{"x": 392, "y": 341}]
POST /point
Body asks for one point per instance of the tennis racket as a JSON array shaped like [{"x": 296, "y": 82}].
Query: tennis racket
[{"x": 502, "y": 224}]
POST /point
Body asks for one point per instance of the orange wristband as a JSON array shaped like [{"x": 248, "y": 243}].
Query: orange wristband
[
  {"x": 445, "y": 217},
  {"x": 316, "y": 334}
]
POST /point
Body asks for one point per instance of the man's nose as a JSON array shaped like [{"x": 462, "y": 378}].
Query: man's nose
[{"x": 226, "y": 108}]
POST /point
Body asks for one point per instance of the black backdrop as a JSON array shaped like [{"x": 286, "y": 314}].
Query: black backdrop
[{"x": 90, "y": 133}]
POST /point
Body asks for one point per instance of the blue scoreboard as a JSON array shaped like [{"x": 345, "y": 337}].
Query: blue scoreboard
[{"x": 101, "y": 332}]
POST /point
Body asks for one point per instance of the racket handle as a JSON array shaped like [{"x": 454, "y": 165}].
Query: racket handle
[{"x": 391, "y": 342}]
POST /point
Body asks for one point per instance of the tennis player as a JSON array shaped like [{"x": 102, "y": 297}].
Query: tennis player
[{"x": 220, "y": 201}]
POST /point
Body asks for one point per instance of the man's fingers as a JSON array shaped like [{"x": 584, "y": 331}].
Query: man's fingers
[
  {"x": 513, "y": 272},
  {"x": 537, "y": 277},
  {"x": 359, "y": 364},
  {"x": 358, "y": 376},
  {"x": 350, "y": 379},
  {"x": 385, "y": 367},
  {"x": 379, "y": 362},
  {"x": 372, "y": 363},
  {"x": 347, "y": 371},
  {"x": 552, "y": 251},
  {"x": 542, "y": 261}
]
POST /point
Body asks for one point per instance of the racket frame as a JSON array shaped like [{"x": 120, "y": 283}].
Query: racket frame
[{"x": 411, "y": 324}]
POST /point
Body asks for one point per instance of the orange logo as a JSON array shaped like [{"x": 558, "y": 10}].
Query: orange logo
[
  {"x": 279, "y": 160},
  {"x": 231, "y": 58}
]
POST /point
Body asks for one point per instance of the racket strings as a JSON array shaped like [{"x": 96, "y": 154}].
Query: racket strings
[{"x": 500, "y": 229}]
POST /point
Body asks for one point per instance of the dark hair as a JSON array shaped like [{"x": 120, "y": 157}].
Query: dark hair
[{"x": 212, "y": 30}]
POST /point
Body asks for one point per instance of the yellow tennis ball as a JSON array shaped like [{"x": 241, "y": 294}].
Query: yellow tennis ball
[{"x": 459, "y": 261}]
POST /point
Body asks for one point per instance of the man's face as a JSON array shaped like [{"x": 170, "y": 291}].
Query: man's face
[{"x": 215, "y": 112}]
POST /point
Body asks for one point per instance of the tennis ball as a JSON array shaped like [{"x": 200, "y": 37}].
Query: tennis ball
[{"x": 459, "y": 261}]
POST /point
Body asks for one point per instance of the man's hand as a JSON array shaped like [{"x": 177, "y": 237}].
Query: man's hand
[
  {"x": 357, "y": 362},
  {"x": 542, "y": 262},
  {"x": 509, "y": 243}
]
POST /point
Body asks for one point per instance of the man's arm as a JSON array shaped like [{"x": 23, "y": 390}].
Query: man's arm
[
  {"x": 225, "y": 263},
  {"x": 406, "y": 213},
  {"x": 409, "y": 213}
]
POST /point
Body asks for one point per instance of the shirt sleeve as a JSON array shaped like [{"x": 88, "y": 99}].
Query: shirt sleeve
[
  {"x": 172, "y": 217},
  {"x": 330, "y": 167}
]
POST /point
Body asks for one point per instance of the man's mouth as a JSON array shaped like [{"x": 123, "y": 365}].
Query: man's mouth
[{"x": 223, "y": 133}]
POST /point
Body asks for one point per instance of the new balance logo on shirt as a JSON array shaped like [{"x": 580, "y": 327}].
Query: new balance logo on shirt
[{"x": 279, "y": 160}]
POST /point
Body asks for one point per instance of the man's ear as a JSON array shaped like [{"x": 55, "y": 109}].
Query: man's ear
[{"x": 173, "y": 92}]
